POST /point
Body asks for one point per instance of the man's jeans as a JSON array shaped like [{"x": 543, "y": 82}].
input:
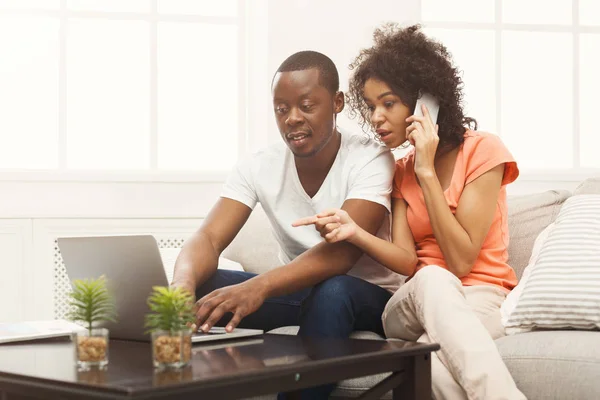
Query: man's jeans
[{"x": 333, "y": 308}]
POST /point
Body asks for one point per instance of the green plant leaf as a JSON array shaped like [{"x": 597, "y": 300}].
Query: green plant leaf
[
  {"x": 91, "y": 302},
  {"x": 172, "y": 309}
]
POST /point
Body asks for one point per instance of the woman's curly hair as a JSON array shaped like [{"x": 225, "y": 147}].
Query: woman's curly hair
[{"x": 409, "y": 62}]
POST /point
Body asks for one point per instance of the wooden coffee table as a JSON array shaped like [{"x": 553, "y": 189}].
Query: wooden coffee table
[{"x": 226, "y": 370}]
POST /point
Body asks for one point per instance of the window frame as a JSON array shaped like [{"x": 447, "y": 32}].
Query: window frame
[
  {"x": 153, "y": 173},
  {"x": 576, "y": 172}
]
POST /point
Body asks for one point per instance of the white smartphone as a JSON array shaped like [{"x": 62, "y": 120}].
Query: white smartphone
[{"x": 432, "y": 105}]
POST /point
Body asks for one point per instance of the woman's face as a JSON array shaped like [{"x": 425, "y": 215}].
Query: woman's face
[{"x": 387, "y": 113}]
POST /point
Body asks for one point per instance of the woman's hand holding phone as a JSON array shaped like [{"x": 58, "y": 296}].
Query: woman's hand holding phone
[{"x": 422, "y": 133}]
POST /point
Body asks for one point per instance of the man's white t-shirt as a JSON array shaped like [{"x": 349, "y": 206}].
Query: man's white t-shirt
[{"x": 360, "y": 171}]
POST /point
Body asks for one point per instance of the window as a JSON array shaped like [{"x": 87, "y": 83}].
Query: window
[
  {"x": 121, "y": 85},
  {"x": 529, "y": 74}
]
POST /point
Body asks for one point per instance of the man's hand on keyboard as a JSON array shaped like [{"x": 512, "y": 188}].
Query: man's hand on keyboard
[{"x": 240, "y": 300}]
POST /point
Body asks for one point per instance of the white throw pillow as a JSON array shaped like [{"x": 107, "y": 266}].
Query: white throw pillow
[
  {"x": 563, "y": 286},
  {"x": 510, "y": 303}
]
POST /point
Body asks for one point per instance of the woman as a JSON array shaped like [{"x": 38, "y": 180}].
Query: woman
[{"x": 449, "y": 216}]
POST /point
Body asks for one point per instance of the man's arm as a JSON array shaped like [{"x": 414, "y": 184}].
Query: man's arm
[
  {"x": 325, "y": 259},
  {"x": 199, "y": 256},
  {"x": 313, "y": 266}
]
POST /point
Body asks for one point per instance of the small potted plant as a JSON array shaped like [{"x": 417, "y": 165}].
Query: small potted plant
[
  {"x": 91, "y": 303},
  {"x": 171, "y": 315}
]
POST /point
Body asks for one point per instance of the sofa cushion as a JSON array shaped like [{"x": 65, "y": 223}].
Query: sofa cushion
[
  {"x": 563, "y": 288},
  {"x": 254, "y": 246},
  {"x": 588, "y": 186},
  {"x": 510, "y": 303},
  {"x": 528, "y": 215},
  {"x": 554, "y": 364}
]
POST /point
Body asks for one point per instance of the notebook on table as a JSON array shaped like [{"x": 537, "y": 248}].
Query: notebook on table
[{"x": 34, "y": 330}]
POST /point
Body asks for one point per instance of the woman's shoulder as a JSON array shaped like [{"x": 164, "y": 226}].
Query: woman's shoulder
[
  {"x": 483, "y": 151},
  {"x": 475, "y": 138},
  {"x": 406, "y": 159},
  {"x": 482, "y": 140}
]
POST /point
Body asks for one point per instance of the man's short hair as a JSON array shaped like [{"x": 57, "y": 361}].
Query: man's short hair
[{"x": 328, "y": 74}]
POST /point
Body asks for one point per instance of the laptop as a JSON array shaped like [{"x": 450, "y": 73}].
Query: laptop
[{"x": 132, "y": 265}]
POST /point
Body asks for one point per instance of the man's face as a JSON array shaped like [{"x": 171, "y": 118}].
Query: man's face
[{"x": 304, "y": 111}]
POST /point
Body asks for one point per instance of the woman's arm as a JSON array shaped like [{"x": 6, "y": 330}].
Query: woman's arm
[
  {"x": 461, "y": 236},
  {"x": 399, "y": 255},
  {"x": 335, "y": 225}
]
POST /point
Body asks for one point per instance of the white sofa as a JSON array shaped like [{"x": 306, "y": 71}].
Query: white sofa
[{"x": 545, "y": 365}]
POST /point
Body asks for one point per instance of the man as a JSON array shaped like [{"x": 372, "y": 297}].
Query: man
[{"x": 329, "y": 290}]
